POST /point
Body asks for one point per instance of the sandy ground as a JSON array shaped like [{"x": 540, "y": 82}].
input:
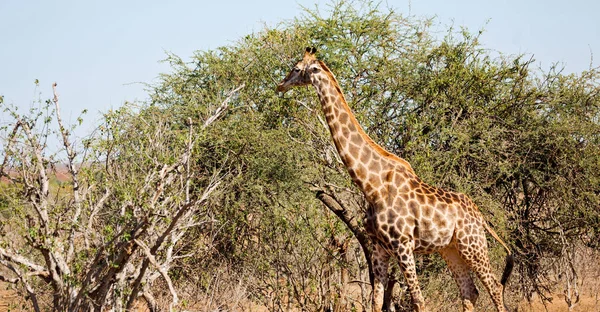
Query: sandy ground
[
  {"x": 585, "y": 304},
  {"x": 10, "y": 301}
]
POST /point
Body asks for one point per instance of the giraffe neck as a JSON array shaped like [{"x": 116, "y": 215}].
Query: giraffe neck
[{"x": 360, "y": 154}]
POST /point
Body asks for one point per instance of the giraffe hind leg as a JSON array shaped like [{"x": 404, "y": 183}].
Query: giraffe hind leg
[
  {"x": 461, "y": 274},
  {"x": 476, "y": 257}
]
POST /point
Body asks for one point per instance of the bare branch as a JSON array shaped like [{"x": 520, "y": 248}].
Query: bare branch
[
  {"x": 42, "y": 208},
  {"x": 336, "y": 206},
  {"x": 18, "y": 259},
  {"x": 73, "y": 171},
  {"x": 162, "y": 271},
  {"x": 93, "y": 213},
  {"x": 11, "y": 141},
  {"x": 25, "y": 282},
  {"x": 187, "y": 162},
  {"x": 223, "y": 107},
  {"x": 6, "y": 279},
  {"x": 152, "y": 305},
  {"x": 44, "y": 274},
  {"x": 214, "y": 183},
  {"x": 64, "y": 133}
]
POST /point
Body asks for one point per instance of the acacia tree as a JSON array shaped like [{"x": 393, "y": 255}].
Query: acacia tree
[
  {"x": 509, "y": 135},
  {"x": 100, "y": 237}
]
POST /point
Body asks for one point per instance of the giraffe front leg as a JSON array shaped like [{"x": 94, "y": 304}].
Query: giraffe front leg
[
  {"x": 408, "y": 267},
  {"x": 380, "y": 260}
]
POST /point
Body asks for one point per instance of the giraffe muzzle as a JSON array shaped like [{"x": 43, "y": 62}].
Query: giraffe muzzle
[{"x": 282, "y": 88}]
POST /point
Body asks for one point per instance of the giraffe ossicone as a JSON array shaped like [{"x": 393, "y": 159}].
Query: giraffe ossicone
[{"x": 405, "y": 216}]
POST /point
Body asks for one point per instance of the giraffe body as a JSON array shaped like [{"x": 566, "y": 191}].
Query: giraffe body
[{"x": 405, "y": 216}]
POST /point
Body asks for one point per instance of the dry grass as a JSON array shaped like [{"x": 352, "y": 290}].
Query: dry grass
[
  {"x": 588, "y": 286},
  {"x": 231, "y": 296}
]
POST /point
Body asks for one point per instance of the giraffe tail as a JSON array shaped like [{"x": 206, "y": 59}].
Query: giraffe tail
[
  {"x": 510, "y": 259},
  {"x": 510, "y": 263}
]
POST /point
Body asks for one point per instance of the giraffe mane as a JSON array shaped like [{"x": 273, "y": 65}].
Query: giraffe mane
[{"x": 362, "y": 133}]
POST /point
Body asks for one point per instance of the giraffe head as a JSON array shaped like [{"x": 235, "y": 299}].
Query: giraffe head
[{"x": 300, "y": 74}]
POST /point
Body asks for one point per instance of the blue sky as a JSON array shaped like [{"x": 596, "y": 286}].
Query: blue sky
[{"x": 98, "y": 52}]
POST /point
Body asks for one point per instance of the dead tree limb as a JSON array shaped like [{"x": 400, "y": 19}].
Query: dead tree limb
[{"x": 339, "y": 208}]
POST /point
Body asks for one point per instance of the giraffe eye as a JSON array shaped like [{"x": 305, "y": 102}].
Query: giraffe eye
[
  {"x": 296, "y": 69},
  {"x": 315, "y": 69}
]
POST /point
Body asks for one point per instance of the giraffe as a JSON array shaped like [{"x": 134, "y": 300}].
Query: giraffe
[{"x": 405, "y": 216}]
